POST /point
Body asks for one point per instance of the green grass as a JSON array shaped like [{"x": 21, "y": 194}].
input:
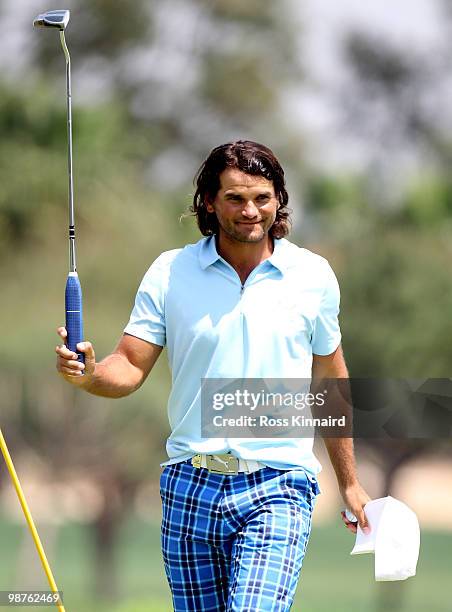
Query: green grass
[{"x": 332, "y": 580}]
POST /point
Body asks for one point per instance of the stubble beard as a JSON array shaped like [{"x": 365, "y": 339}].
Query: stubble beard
[{"x": 254, "y": 237}]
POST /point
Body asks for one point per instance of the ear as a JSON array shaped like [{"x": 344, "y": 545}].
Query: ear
[{"x": 209, "y": 206}]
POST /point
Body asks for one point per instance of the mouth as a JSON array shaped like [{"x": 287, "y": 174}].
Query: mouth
[{"x": 249, "y": 222}]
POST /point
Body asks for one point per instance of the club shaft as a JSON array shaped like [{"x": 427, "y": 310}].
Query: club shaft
[
  {"x": 29, "y": 518},
  {"x": 72, "y": 259},
  {"x": 73, "y": 295}
]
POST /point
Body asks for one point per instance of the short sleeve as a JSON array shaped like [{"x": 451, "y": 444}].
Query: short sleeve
[
  {"x": 147, "y": 320},
  {"x": 326, "y": 336}
]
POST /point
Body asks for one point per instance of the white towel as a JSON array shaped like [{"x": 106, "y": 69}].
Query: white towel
[{"x": 394, "y": 538}]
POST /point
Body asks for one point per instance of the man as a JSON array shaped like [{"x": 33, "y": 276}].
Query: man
[{"x": 241, "y": 303}]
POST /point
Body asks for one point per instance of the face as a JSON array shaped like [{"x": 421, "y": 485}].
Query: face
[{"x": 245, "y": 205}]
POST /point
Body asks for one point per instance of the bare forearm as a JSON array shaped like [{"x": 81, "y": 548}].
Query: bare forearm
[
  {"x": 355, "y": 497},
  {"x": 342, "y": 459},
  {"x": 331, "y": 371},
  {"x": 113, "y": 377},
  {"x": 332, "y": 367}
]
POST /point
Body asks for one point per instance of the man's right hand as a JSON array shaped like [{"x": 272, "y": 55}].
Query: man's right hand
[{"x": 67, "y": 364}]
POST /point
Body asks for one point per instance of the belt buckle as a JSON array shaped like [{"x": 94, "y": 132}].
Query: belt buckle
[
  {"x": 227, "y": 464},
  {"x": 196, "y": 461}
]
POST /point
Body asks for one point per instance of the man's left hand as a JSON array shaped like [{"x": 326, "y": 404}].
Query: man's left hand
[{"x": 355, "y": 499}]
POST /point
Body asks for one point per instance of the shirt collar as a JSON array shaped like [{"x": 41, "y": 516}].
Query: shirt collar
[
  {"x": 208, "y": 252},
  {"x": 279, "y": 258}
]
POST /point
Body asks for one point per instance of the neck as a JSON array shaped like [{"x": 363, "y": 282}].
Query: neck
[{"x": 243, "y": 256}]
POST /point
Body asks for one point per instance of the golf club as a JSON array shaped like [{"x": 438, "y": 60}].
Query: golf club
[{"x": 73, "y": 296}]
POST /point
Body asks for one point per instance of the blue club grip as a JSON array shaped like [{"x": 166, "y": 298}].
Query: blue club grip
[{"x": 74, "y": 315}]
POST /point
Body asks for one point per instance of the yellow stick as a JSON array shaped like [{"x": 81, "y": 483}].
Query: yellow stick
[{"x": 29, "y": 518}]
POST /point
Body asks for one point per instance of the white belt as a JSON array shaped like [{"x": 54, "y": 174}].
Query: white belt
[{"x": 226, "y": 464}]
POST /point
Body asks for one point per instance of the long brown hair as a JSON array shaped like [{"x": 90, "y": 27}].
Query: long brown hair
[{"x": 251, "y": 158}]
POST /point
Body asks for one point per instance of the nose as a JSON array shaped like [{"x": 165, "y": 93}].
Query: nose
[{"x": 249, "y": 210}]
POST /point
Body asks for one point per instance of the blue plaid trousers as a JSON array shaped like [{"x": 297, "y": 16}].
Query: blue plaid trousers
[{"x": 234, "y": 543}]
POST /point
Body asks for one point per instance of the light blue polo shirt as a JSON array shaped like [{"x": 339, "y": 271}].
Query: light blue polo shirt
[{"x": 193, "y": 301}]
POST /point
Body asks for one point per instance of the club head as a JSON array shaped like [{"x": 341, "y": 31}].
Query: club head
[{"x": 53, "y": 19}]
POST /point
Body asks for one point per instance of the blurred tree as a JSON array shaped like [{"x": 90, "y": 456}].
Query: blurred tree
[
  {"x": 393, "y": 268},
  {"x": 394, "y": 99},
  {"x": 191, "y": 73}
]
